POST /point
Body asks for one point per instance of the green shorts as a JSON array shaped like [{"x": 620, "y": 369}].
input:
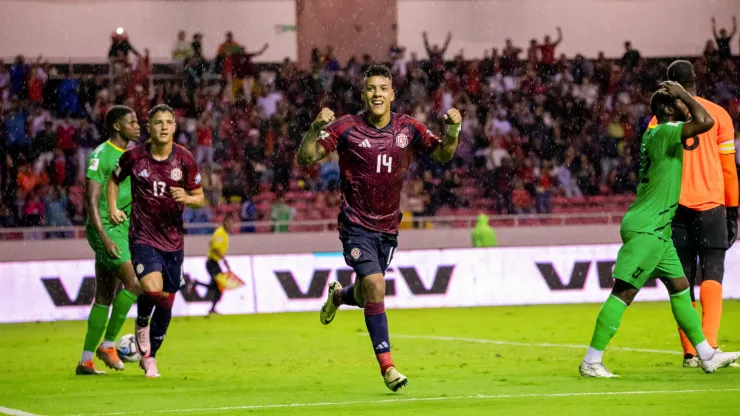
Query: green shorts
[
  {"x": 119, "y": 235},
  {"x": 644, "y": 256}
]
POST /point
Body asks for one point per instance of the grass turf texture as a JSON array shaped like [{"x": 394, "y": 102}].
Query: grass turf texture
[{"x": 224, "y": 364}]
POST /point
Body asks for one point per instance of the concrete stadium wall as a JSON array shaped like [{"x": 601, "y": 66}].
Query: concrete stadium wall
[
  {"x": 656, "y": 27},
  {"x": 81, "y": 29},
  {"x": 328, "y": 242}
]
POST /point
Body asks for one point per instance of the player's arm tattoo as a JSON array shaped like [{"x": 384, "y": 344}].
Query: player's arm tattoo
[
  {"x": 310, "y": 150},
  {"x": 93, "y": 191},
  {"x": 444, "y": 152}
]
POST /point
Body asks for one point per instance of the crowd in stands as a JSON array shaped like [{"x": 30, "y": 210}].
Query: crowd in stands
[{"x": 537, "y": 124}]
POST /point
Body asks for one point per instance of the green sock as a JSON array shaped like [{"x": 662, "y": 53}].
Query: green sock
[
  {"x": 121, "y": 305},
  {"x": 95, "y": 328},
  {"x": 686, "y": 317},
  {"x": 607, "y": 322}
]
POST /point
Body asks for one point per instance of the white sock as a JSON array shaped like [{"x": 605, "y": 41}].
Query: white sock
[
  {"x": 86, "y": 356},
  {"x": 705, "y": 351},
  {"x": 593, "y": 356},
  {"x": 107, "y": 344}
]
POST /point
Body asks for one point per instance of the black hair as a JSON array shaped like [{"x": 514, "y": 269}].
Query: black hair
[
  {"x": 659, "y": 101},
  {"x": 161, "y": 108},
  {"x": 378, "y": 70},
  {"x": 683, "y": 73},
  {"x": 115, "y": 114}
]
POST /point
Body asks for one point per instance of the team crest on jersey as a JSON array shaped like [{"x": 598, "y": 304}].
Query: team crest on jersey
[
  {"x": 176, "y": 174},
  {"x": 402, "y": 140},
  {"x": 323, "y": 135},
  {"x": 355, "y": 253}
]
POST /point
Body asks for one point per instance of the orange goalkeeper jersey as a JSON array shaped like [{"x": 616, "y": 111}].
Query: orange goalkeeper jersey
[{"x": 702, "y": 181}]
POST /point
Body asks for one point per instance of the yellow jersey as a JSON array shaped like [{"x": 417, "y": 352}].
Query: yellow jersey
[{"x": 219, "y": 243}]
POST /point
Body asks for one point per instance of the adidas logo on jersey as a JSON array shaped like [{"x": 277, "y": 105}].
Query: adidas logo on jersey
[
  {"x": 144, "y": 174},
  {"x": 366, "y": 144}
]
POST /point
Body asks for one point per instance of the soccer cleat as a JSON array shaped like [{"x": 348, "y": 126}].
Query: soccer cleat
[
  {"x": 329, "y": 310},
  {"x": 110, "y": 357},
  {"x": 733, "y": 364},
  {"x": 142, "y": 340},
  {"x": 149, "y": 365},
  {"x": 691, "y": 362},
  {"x": 597, "y": 370},
  {"x": 394, "y": 380},
  {"x": 88, "y": 369},
  {"x": 719, "y": 359}
]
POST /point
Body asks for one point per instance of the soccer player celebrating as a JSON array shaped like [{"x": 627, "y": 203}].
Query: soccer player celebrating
[
  {"x": 164, "y": 178},
  {"x": 375, "y": 149},
  {"x": 217, "y": 248},
  {"x": 647, "y": 250},
  {"x": 705, "y": 225},
  {"x": 110, "y": 244}
]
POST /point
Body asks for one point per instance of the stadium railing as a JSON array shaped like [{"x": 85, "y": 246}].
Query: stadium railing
[{"x": 531, "y": 220}]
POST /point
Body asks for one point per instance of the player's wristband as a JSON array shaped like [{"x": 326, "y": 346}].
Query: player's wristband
[{"x": 453, "y": 130}]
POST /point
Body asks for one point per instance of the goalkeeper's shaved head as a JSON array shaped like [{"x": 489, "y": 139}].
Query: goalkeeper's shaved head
[{"x": 683, "y": 73}]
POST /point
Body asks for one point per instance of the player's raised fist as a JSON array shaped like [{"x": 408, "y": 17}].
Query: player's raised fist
[
  {"x": 453, "y": 116},
  {"x": 178, "y": 194},
  {"x": 325, "y": 117}
]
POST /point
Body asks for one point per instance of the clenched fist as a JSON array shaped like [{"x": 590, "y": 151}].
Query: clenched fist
[
  {"x": 453, "y": 116},
  {"x": 325, "y": 117}
]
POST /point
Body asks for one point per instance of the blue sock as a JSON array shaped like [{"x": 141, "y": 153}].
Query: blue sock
[
  {"x": 377, "y": 326},
  {"x": 347, "y": 295},
  {"x": 160, "y": 322}
]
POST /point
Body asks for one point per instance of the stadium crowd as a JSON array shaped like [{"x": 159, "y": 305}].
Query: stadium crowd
[{"x": 536, "y": 124}]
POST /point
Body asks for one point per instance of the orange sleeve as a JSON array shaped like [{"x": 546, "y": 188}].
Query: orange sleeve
[
  {"x": 729, "y": 172},
  {"x": 726, "y": 142}
]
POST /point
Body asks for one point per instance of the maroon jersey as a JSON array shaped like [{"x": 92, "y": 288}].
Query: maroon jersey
[
  {"x": 373, "y": 163},
  {"x": 156, "y": 219}
]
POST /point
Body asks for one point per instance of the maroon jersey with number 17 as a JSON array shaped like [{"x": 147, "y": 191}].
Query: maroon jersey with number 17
[
  {"x": 373, "y": 163},
  {"x": 156, "y": 218}
]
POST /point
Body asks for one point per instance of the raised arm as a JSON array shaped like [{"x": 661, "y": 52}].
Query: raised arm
[
  {"x": 714, "y": 28},
  {"x": 261, "y": 51},
  {"x": 560, "y": 36},
  {"x": 701, "y": 121},
  {"x": 310, "y": 150},
  {"x": 444, "y": 152},
  {"x": 734, "y": 26}
]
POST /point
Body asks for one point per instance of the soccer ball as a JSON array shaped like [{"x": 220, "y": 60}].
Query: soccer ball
[{"x": 127, "y": 350}]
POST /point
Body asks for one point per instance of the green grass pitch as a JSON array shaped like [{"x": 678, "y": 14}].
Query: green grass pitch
[{"x": 289, "y": 364}]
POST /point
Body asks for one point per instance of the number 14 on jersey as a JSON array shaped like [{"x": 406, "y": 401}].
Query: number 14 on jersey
[{"x": 384, "y": 161}]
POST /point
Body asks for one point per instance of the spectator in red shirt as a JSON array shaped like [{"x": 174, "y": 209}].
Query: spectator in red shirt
[
  {"x": 34, "y": 210},
  {"x": 521, "y": 200},
  {"x": 547, "y": 52},
  {"x": 244, "y": 71}
]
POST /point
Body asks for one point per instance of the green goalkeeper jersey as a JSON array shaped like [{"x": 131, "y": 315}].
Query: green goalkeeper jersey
[
  {"x": 660, "y": 182},
  {"x": 100, "y": 166}
]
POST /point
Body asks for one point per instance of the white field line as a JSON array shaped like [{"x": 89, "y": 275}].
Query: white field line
[
  {"x": 425, "y": 399},
  {"x": 529, "y": 344},
  {"x": 15, "y": 412}
]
